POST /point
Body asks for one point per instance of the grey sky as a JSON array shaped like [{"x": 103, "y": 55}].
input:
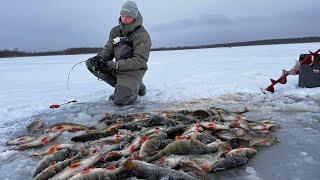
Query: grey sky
[{"x": 59, "y": 24}]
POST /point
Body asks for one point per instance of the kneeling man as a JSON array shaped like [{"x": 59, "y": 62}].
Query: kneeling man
[{"x": 129, "y": 43}]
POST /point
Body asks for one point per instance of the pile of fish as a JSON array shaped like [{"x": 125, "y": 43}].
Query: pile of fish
[{"x": 182, "y": 144}]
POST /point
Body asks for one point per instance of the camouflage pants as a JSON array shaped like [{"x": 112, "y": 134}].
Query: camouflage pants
[{"x": 126, "y": 83}]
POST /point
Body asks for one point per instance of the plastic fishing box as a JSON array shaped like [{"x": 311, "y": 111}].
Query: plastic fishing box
[{"x": 310, "y": 75}]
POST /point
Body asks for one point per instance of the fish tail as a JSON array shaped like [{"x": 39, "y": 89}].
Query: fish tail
[
  {"x": 155, "y": 157},
  {"x": 225, "y": 148},
  {"x": 91, "y": 128}
]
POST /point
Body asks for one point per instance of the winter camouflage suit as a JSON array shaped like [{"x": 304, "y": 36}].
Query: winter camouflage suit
[{"x": 132, "y": 60}]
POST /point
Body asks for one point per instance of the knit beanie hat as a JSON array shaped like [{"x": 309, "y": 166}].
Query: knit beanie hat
[{"x": 130, "y": 8}]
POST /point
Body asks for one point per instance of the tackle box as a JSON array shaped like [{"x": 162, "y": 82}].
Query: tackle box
[{"x": 309, "y": 75}]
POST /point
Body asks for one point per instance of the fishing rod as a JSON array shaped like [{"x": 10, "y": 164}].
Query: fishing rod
[
  {"x": 55, "y": 106},
  {"x": 70, "y": 72}
]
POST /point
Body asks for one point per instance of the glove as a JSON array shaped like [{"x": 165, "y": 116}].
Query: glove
[
  {"x": 98, "y": 62},
  {"x": 112, "y": 65}
]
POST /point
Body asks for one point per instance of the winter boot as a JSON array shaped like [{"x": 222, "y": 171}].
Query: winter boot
[
  {"x": 142, "y": 90},
  {"x": 111, "y": 97}
]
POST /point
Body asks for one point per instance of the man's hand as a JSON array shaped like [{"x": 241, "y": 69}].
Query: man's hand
[
  {"x": 112, "y": 65},
  {"x": 98, "y": 63},
  {"x": 97, "y": 60}
]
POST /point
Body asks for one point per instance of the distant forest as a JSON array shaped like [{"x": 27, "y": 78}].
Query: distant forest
[{"x": 87, "y": 50}]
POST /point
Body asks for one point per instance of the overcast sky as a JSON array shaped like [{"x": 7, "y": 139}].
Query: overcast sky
[{"x": 59, "y": 24}]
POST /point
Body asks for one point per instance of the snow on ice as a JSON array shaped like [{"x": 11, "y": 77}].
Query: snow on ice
[{"x": 230, "y": 78}]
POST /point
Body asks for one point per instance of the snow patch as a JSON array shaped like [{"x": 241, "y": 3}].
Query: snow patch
[
  {"x": 252, "y": 174},
  {"x": 311, "y": 130},
  {"x": 304, "y": 153},
  {"x": 303, "y": 159},
  {"x": 7, "y": 154}
]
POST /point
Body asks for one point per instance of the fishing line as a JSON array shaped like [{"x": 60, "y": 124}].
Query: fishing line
[{"x": 70, "y": 72}]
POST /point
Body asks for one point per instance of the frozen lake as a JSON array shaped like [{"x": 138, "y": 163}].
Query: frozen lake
[{"x": 230, "y": 78}]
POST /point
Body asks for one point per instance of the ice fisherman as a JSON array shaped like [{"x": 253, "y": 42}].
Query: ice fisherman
[{"x": 129, "y": 43}]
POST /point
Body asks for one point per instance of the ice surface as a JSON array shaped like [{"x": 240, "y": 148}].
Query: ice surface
[{"x": 230, "y": 78}]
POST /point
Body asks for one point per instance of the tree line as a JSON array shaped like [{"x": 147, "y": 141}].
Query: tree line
[
  {"x": 70, "y": 51},
  {"x": 88, "y": 50}
]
